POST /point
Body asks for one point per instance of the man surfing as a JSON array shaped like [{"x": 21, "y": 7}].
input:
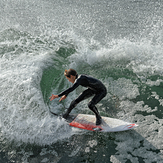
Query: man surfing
[{"x": 94, "y": 88}]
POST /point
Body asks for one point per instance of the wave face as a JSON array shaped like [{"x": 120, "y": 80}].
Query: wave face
[{"x": 118, "y": 43}]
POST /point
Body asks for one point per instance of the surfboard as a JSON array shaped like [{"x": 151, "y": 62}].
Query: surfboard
[{"x": 88, "y": 122}]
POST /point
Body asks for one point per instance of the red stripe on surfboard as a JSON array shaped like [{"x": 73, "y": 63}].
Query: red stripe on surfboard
[
  {"x": 86, "y": 126},
  {"x": 130, "y": 126}
]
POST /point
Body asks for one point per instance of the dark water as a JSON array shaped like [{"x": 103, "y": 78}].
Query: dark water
[{"x": 118, "y": 42}]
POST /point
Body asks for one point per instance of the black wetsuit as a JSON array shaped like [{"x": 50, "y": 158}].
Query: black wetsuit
[{"x": 94, "y": 87}]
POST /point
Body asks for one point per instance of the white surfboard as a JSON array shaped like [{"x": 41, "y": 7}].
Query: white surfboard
[{"x": 88, "y": 122}]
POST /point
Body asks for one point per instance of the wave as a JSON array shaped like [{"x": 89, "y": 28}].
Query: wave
[
  {"x": 32, "y": 68},
  {"x": 24, "y": 115}
]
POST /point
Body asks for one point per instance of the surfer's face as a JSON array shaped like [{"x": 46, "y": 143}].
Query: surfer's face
[{"x": 71, "y": 78}]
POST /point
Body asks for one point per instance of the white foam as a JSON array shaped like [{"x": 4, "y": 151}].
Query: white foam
[
  {"x": 123, "y": 88},
  {"x": 142, "y": 57},
  {"x": 24, "y": 115}
]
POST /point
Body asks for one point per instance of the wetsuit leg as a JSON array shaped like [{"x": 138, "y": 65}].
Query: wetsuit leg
[
  {"x": 98, "y": 97},
  {"x": 84, "y": 95}
]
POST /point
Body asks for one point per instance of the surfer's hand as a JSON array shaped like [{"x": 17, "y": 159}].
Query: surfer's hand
[
  {"x": 62, "y": 98},
  {"x": 53, "y": 97}
]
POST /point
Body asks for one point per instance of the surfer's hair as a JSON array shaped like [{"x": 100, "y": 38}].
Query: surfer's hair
[{"x": 70, "y": 72}]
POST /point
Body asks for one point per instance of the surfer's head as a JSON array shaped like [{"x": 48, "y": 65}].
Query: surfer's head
[
  {"x": 70, "y": 72},
  {"x": 71, "y": 75}
]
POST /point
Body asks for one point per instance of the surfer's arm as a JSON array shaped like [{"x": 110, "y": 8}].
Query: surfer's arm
[
  {"x": 67, "y": 91},
  {"x": 64, "y": 94}
]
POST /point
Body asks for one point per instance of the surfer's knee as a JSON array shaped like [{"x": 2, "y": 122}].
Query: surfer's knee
[{"x": 91, "y": 105}]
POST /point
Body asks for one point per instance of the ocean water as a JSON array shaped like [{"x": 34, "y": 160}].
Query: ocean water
[{"x": 118, "y": 42}]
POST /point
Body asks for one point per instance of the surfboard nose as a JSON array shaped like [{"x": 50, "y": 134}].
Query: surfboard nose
[{"x": 130, "y": 126}]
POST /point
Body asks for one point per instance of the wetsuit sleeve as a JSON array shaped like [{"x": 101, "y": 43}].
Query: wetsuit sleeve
[{"x": 67, "y": 91}]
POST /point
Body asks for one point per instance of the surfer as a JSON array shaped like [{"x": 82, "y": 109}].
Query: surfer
[{"x": 94, "y": 88}]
